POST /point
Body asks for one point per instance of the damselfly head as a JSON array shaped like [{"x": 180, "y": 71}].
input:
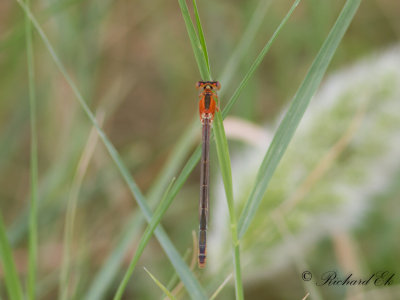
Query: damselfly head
[{"x": 208, "y": 85}]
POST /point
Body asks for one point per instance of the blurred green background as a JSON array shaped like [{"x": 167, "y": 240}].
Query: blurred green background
[{"x": 133, "y": 62}]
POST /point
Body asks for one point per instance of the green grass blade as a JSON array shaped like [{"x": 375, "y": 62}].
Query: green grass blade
[
  {"x": 158, "y": 214},
  {"x": 194, "y": 159},
  {"x": 194, "y": 40},
  {"x": 105, "y": 277},
  {"x": 257, "y": 62},
  {"x": 295, "y": 113},
  {"x": 241, "y": 50},
  {"x": 12, "y": 282},
  {"x": 175, "y": 160},
  {"x": 201, "y": 35},
  {"x": 111, "y": 267},
  {"x": 219, "y": 289},
  {"x": 72, "y": 202},
  {"x": 226, "y": 172},
  {"x": 174, "y": 280},
  {"x": 187, "y": 277},
  {"x": 224, "y": 160},
  {"x": 161, "y": 286},
  {"x": 32, "y": 248}
]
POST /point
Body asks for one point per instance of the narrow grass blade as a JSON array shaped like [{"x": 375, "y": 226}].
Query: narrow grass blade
[
  {"x": 187, "y": 277},
  {"x": 219, "y": 289},
  {"x": 98, "y": 288},
  {"x": 158, "y": 214},
  {"x": 161, "y": 286},
  {"x": 32, "y": 248},
  {"x": 11, "y": 279},
  {"x": 175, "y": 160},
  {"x": 105, "y": 276},
  {"x": 199, "y": 55},
  {"x": 194, "y": 159},
  {"x": 295, "y": 113},
  {"x": 64, "y": 283},
  {"x": 104, "y": 279},
  {"x": 201, "y": 35},
  {"x": 225, "y": 167},
  {"x": 174, "y": 278},
  {"x": 257, "y": 62},
  {"x": 177, "y": 289},
  {"x": 224, "y": 160},
  {"x": 245, "y": 42}
]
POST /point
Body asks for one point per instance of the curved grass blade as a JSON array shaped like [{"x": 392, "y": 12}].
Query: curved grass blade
[
  {"x": 257, "y": 62},
  {"x": 158, "y": 214},
  {"x": 295, "y": 113},
  {"x": 11, "y": 279},
  {"x": 219, "y": 289},
  {"x": 81, "y": 169},
  {"x": 111, "y": 267},
  {"x": 175, "y": 161},
  {"x": 32, "y": 247},
  {"x": 192, "y": 285},
  {"x": 183, "y": 145},
  {"x": 199, "y": 54},
  {"x": 240, "y": 50},
  {"x": 174, "y": 278},
  {"x": 226, "y": 172},
  {"x": 201, "y": 35},
  {"x": 173, "y": 284},
  {"x": 161, "y": 286},
  {"x": 195, "y": 157}
]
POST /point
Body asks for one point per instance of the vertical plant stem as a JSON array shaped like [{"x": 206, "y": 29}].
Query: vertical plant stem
[
  {"x": 201, "y": 35},
  {"x": 157, "y": 216},
  {"x": 12, "y": 283},
  {"x": 241, "y": 50},
  {"x": 65, "y": 277},
  {"x": 191, "y": 283},
  {"x": 200, "y": 56},
  {"x": 33, "y": 162},
  {"x": 295, "y": 113},
  {"x": 257, "y": 61},
  {"x": 226, "y": 172}
]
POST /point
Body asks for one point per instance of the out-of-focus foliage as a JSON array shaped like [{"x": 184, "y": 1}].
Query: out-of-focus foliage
[
  {"x": 344, "y": 156},
  {"x": 133, "y": 62}
]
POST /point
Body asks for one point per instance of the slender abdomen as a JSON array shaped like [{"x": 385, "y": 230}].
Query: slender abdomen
[{"x": 204, "y": 189}]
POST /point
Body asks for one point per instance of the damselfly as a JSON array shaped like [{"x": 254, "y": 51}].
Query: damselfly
[{"x": 207, "y": 106}]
